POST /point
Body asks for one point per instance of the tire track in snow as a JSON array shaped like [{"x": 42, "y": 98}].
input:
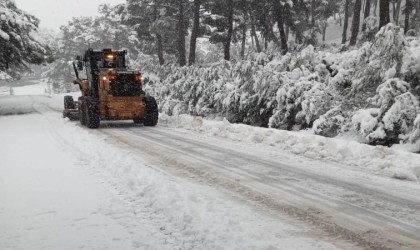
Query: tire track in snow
[
  {"x": 211, "y": 170},
  {"x": 135, "y": 209},
  {"x": 185, "y": 235},
  {"x": 204, "y": 172}
]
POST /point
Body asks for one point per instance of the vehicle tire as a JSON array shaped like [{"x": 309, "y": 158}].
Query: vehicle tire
[
  {"x": 92, "y": 113},
  {"x": 69, "y": 102},
  {"x": 138, "y": 120},
  {"x": 81, "y": 109},
  {"x": 152, "y": 116}
]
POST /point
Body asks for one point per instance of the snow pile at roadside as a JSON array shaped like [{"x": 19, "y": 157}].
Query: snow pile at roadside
[
  {"x": 35, "y": 89},
  {"x": 384, "y": 160}
]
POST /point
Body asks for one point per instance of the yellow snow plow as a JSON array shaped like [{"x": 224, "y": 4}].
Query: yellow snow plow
[{"x": 110, "y": 92}]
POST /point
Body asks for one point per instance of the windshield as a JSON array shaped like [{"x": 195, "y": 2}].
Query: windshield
[{"x": 111, "y": 61}]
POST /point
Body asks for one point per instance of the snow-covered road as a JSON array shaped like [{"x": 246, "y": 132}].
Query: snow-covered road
[
  {"x": 341, "y": 200},
  {"x": 125, "y": 186},
  {"x": 65, "y": 187}
]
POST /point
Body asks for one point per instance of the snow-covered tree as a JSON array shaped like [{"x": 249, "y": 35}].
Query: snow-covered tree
[
  {"x": 104, "y": 31},
  {"x": 18, "y": 47}
]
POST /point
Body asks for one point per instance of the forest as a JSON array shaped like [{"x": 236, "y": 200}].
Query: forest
[{"x": 335, "y": 68}]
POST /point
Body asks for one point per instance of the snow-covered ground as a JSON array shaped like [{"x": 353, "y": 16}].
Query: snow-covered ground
[
  {"x": 65, "y": 187},
  {"x": 393, "y": 162},
  {"x": 193, "y": 184}
]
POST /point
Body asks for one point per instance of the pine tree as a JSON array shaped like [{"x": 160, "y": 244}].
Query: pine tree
[
  {"x": 104, "y": 31},
  {"x": 407, "y": 15},
  {"x": 181, "y": 34},
  {"x": 278, "y": 9},
  {"x": 194, "y": 32},
  {"x": 346, "y": 21},
  {"x": 366, "y": 15},
  {"x": 356, "y": 22},
  {"x": 18, "y": 47},
  {"x": 261, "y": 18},
  {"x": 383, "y": 13},
  {"x": 219, "y": 20},
  {"x": 156, "y": 24},
  {"x": 230, "y": 29}
]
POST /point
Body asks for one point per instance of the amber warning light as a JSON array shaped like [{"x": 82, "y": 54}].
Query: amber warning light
[
  {"x": 110, "y": 56},
  {"x": 110, "y": 77},
  {"x": 138, "y": 77}
]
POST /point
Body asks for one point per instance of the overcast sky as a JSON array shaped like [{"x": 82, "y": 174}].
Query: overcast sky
[{"x": 54, "y": 13}]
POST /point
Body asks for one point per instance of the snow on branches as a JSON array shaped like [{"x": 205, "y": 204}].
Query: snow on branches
[
  {"x": 18, "y": 47},
  {"x": 394, "y": 115},
  {"x": 370, "y": 90}
]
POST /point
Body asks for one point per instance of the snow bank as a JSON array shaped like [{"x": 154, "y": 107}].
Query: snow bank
[{"x": 389, "y": 161}]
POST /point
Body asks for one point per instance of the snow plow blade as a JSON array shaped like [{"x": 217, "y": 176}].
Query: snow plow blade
[{"x": 72, "y": 114}]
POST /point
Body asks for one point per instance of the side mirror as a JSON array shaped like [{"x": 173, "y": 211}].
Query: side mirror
[{"x": 79, "y": 65}]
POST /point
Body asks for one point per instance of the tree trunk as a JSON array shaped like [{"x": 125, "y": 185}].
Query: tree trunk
[
  {"x": 160, "y": 49},
  {"x": 181, "y": 35},
  {"x": 159, "y": 44},
  {"x": 243, "y": 41},
  {"x": 254, "y": 33},
  {"x": 397, "y": 14},
  {"x": 339, "y": 19},
  {"x": 394, "y": 10},
  {"x": 312, "y": 14},
  {"x": 376, "y": 7},
  {"x": 194, "y": 32},
  {"x": 279, "y": 15},
  {"x": 363, "y": 4},
  {"x": 346, "y": 21},
  {"x": 356, "y": 22},
  {"x": 383, "y": 13},
  {"x": 407, "y": 16},
  {"x": 230, "y": 30},
  {"x": 269, "y": 29},
  {"x": 366, "y": 15}
]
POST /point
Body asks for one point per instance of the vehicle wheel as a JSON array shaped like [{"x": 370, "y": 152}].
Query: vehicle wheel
[
  {"x": 152, "y": 116},
  {"x": 92, "y": 113},
  {"x": 81, "y": 109},
  {"x": 138, "y": 120},
  {"x": 69, "y": 102}
]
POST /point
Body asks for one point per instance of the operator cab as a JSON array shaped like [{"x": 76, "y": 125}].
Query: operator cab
[
  {"x": 111, "y": 60},
  {"x": 107, "y": 70}
]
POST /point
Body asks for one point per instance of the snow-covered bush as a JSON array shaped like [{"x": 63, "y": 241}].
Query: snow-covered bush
[
  {"x": 376, "y": 59},
  {"x": 414, "y": 136},
  {"x": 411, "y": 65},
  {"x": 393, "y": 119},
  {"x": 329, "y": 124},
  {"x": 371, "y": 27},
  {"x": 389, "y": 47},
  {"x": 330, "y": 91}
]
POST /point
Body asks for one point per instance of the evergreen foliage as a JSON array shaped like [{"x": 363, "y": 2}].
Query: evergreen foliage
[
  {"x": 105, "y": 31},
  {"x": 18, "y": 46},
  {"x": 241, "y": 70}
]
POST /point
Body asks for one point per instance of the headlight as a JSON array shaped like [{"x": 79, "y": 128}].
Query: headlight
[{"x": 138, "y": 77}]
